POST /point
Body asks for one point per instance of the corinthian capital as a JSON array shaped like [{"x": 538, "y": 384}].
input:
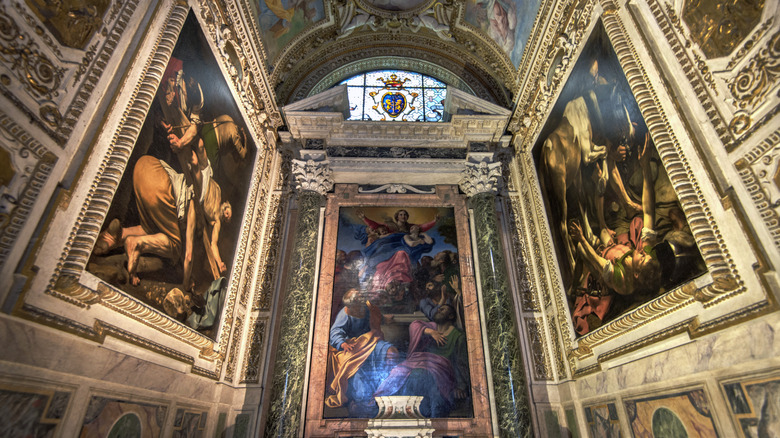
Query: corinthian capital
[
  {"x": 312, "y": 173},
  {"x": 481, "y": 175}
]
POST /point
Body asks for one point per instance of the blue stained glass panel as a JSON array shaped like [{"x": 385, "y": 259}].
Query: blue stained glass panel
[
  {"x": 422, "y": 96},
  {"x": 429, "y": 82}
]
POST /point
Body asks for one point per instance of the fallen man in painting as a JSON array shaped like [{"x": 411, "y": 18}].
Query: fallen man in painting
[{"x": 167, "y": 210}]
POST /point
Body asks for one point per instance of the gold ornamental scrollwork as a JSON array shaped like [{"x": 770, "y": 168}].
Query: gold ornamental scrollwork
[
  {"x": 36, "y": 72},
  {"x": 759, "y": 76}
]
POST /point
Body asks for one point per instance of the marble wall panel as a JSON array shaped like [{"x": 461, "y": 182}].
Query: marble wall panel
[
  {"x": 571, "y": 423},
  {"x": 686, "y": 413},
  {"x": 189, "y": 423},
  {"x": 241, "y": 428},
  {"x": 107, "y": 415},
  {"x": 754, "y": 406},
  {"x": 28, "y": 412},
  {"x": 603, "y": 421}
]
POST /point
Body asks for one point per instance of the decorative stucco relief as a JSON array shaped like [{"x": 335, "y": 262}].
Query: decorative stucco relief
[
  {"x": 728, "y": 52},
  {"x": 56, "y": 55},
  {"x": 760, "y": 173},
  {"x": 235, "y": 348},
  {"x": 546, "y": 76},
  {"x": 25, "y": 166},
  {"x": 240, "y": 50},
  {"x": 255, "y": 350},
  {"x": 537, "y": 343}
]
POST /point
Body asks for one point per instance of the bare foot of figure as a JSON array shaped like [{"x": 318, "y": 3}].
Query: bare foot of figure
[
  {"x": 132, "y": 246},
  {"x": 109, "y": 238}
]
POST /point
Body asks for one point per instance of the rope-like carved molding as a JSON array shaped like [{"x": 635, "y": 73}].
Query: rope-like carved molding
[
  {"x": 557, "y": 352},
  {"x": 726, "y": 280},
  {"x": 12, "y": 222},
  {"x": 539, "y": 94},
  {"x": 235, "y": 346},
  {"x": 528, "y": 299},
  {"x": 761, "y": 200},
  {"x": 117, "y": 301}
]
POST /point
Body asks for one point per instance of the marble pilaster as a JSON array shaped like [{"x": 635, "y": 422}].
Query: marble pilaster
[
  {"x": 312, "y": 181},
  {"x": 508, "y": 374}
]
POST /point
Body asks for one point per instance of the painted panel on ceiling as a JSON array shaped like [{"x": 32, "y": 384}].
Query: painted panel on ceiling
[
  {"x": 507, "y": 22},
  {"x": 282, "y": 20}
]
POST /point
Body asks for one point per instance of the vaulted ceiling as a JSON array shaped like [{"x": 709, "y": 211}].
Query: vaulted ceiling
[{"x": 478, "y": 46}]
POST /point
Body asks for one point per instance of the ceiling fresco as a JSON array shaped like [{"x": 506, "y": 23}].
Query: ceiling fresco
[
  {"x": 507, "y": 22},
  {"x": 481, "y": 41}
]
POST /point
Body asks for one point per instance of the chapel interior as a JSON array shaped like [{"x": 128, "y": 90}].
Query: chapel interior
[{"x": 390, "y": 218}]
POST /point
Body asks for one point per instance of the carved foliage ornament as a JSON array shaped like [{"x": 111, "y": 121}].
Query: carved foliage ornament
[
  {"x": 482, "y": 177},
  {"x": 312, "y": 175},
  {"x": 759, "y": 76}
]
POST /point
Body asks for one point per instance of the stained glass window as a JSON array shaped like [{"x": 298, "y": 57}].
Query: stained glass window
[{"x": 395, "y": 95}]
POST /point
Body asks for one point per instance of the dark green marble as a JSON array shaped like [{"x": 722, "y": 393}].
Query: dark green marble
[
  {"x": 511, "y": 392},
  {"x": 284, "y": 415}
]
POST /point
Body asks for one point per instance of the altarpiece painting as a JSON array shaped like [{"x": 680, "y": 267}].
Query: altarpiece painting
[
  {"x": 397, "y": 314},
  {"x": 169, "y": 236},
  {"x": 619, "y": 230}
]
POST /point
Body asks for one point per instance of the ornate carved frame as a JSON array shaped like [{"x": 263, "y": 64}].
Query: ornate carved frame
[
  {"x": 347, "y": 196},
  {"x": 90, "y": 301},
  {"x": 717, "y": 300}
]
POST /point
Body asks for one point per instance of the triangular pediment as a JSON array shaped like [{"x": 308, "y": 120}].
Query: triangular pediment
[{"x": 334, "y": 100}]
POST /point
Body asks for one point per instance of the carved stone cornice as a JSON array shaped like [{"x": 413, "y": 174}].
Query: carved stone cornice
[
  {"x": 481, "y": 174},
  {"x": 312, "y": 173}
]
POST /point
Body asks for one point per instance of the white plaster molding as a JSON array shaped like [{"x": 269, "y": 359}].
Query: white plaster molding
[
  {"x": 481, "y": 174},
  {"x": 313, "y": 175}
]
